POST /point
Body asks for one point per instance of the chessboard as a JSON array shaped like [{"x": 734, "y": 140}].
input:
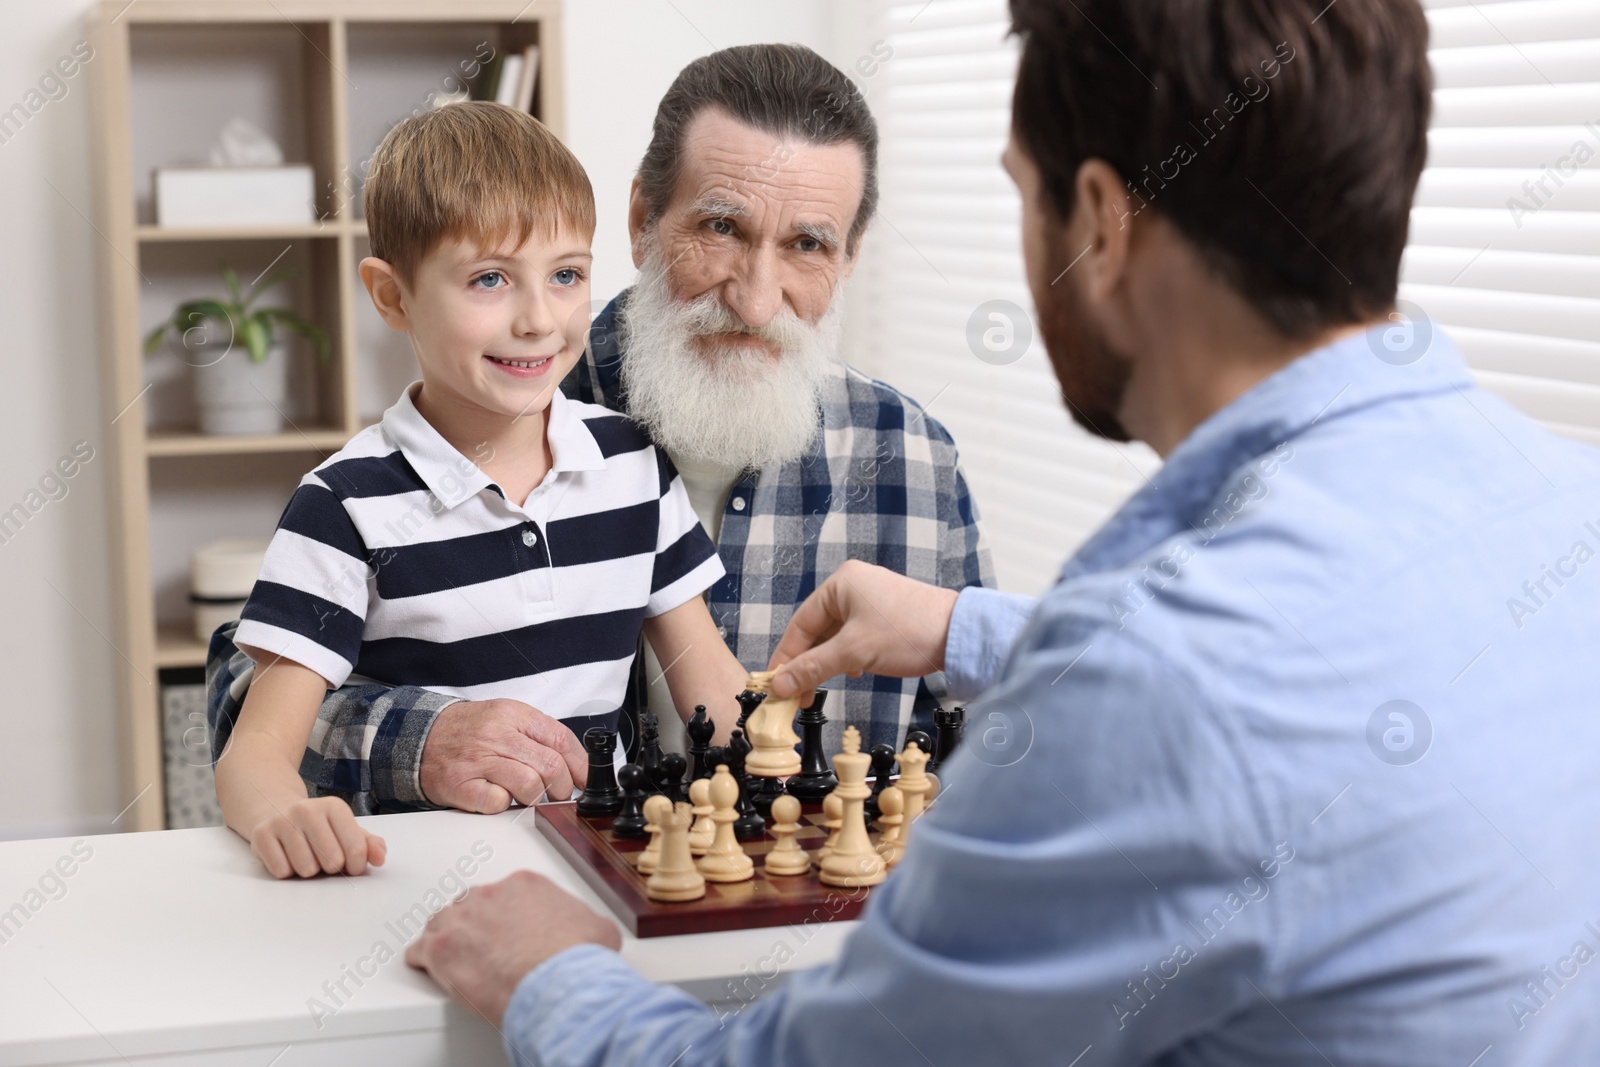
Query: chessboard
[{"x": 607, "y": 864}]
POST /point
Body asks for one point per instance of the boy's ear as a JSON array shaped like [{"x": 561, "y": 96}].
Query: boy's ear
[
  {"x": 383, "y": 285},
  {"x": 638, "y": 212}
]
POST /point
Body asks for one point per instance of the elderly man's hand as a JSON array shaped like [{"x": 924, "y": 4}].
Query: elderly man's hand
[
  {"x": 480, "y": 754},
  {"x": 863, "y": 619},
  {"x": 479, "y": 948}
]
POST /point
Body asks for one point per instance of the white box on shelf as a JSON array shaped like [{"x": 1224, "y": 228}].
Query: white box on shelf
[{"x": 234, "y": 196}]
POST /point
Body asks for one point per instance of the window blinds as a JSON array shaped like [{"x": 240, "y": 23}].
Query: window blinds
[{"x": 1511, "y": 269}]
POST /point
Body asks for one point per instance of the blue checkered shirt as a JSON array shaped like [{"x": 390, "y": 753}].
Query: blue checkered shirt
[{"x": 882, "y": 483}]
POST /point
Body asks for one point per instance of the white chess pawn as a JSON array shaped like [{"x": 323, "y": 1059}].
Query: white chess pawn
[
  {"x": 704, "y": 830},
  {"x": 786, "y": 857},
  {"x": 725, "y": 861},
  {"x": 832, "y": 812},
  {"x": 892, "y": 806},
  {"x": 675, "y": 879},
  {"x": 652, "y": 852}
]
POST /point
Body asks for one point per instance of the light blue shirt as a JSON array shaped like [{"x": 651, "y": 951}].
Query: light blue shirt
[{"x": 1298, "y": 763}]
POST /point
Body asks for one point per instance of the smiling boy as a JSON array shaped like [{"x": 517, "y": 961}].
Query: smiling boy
[{"x": 490, "y": 537}]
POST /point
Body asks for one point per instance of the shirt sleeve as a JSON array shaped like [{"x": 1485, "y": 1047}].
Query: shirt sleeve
[
  {"x": 687, "y": 563},
  {"x": 1100, "y": 879},
  {"x": 310, "y": 603},
  {"x": 983, "y": 627}
]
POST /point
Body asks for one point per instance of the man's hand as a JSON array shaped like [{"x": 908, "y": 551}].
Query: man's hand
[
  {"x": 481, "y": 754},
  {"x": 863, "y": 619},
  {"x": 479, "y": 948}
]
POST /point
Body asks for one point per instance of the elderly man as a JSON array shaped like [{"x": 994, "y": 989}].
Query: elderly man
[
  {"x": 1311, "y": 771},
  {"x": 747, "y": 216}
]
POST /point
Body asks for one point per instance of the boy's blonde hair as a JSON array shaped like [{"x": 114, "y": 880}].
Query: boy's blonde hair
[{"x": 476, "y": 171}]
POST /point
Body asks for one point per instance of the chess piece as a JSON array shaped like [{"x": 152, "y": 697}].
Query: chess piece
[
  {"x": 650, "y": 748},
  {"x": 700, "y": 729},
  {"x": 832, "y": 819},
  {"x": 786, "y": 857},
  {"x": 748, "y": 700},
  {"x": 671, "y": 781},
  {"x": 725, "y": 861},
  {"x": 675, "y": 879},
  {"x": 853, "y": 861},
  {"x": 921, "y": 739},
  {"x": 771, "y": 731},
  {"x": 750, "y": 824},
  {"x": 651, "y": 856},
  {"x": 948, "y": 725},
  {"x": 892, "y": 804},
  {"x": 916, "y": 784},
  {"x": 601, "y": 797},
  {"x": 630, "y": 821},
  {"x": 882, "y": 769},
  {"x": 704, "y": 830},
  {"x": 816, "y": 779}
]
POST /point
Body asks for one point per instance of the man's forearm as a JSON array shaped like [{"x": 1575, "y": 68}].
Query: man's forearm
[{"x": 984, "y": 625}]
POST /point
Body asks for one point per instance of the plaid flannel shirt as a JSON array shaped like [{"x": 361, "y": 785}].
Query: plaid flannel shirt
[{"x": 883, "y": 484}]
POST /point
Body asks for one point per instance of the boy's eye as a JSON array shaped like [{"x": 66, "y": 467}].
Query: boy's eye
[
  {"x": 567, "y": 276},
  {"x": 491, "y": 274}
]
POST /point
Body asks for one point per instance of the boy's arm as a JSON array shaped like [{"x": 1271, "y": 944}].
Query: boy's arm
[
  {"x": 698, "y": 665},
  {"x": 259, "y": 786}
]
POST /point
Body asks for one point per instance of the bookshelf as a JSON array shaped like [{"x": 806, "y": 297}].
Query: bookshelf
[{"x": 327, "y": 78}]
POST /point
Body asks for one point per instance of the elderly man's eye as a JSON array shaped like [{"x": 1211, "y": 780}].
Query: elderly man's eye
[
  {"x": 808, "y": 244},
  {"x": 720, "y": 227}
]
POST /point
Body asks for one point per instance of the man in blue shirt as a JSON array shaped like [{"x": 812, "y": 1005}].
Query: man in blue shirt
[{"x": 1297, "y": 761}]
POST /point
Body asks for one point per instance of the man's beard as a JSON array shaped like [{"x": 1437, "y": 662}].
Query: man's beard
[
  {"x": 735, "y": 406},
  {"x": 1093, "y": 377}
]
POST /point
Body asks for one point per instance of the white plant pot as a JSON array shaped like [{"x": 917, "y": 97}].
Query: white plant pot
[{"x": 237, "y": 396}]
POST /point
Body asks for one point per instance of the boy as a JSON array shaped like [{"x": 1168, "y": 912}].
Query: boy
[{"x": 524, "y": 571}]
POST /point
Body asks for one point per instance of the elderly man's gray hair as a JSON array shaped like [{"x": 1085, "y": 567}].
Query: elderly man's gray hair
[{"x": 783, "y": 89}]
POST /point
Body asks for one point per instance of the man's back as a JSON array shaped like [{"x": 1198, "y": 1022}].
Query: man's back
[{"x": 1305, "y": 758}]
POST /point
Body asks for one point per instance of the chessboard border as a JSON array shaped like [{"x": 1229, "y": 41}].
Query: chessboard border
[{"x": 582, "y": 844}]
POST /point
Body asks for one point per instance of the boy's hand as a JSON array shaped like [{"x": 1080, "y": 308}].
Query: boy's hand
[
  {"x": 315, "y": 836},
  {"x": 480, "y": 754}
]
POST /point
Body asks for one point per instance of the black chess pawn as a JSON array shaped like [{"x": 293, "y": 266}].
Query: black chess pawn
[
  {"x": 630, "y": 821},
  {"x": 763, "y": 791},
  {"x": 921, "y": 739},
  {"x": 816, "y": 779},
  {"x": 748, "y": 700},
  {"x": 670, "y": 784},
  {"x": 650, "y": 748},
  {"x": 601, "y": 797},
  {"x": 882, "y": 768},
  {"x": 750, "y": 824},
  {"x": 948, "y": 725},
  {"x": 700, "y": 728}
]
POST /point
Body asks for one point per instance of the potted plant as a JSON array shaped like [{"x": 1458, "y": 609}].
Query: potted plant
[{"x": 237, "y": 352}]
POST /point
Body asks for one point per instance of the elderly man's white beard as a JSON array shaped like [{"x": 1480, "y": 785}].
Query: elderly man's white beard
[{"x": 737, "y": 406}]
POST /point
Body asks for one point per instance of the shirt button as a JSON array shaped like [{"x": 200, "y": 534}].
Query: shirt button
[
  {"x": 530, "y": 538},
  {"x": 738, "y": 503}
]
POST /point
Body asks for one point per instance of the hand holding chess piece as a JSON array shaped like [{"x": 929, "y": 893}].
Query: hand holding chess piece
[
  {"x": 675, "y": 878},
  {"x": 853, "y": 862},
  {"x": 786, "y": 857}
]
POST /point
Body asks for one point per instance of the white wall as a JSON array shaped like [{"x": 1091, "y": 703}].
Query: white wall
[{"x": 58, "y": 765}]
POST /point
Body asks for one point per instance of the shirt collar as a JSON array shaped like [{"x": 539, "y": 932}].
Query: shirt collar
[
  {"x": 1320, "y": 387},
  {"x": 454, "y": 478}
]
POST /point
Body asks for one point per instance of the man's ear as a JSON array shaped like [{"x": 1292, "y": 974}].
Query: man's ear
[
  {"x": 383, "y": 285},
  {"x": 1101, "y": 228},
  {"x": 638, "y": 213}
]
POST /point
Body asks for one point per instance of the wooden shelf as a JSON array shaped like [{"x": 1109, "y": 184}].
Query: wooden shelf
[
  {"x": 177, "y": 646},
  {"x": 320, "y": 439},
  {"x": 331, "y": 228}
]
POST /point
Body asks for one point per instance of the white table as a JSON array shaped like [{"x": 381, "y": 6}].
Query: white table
[{"x": 178, "y": 948}]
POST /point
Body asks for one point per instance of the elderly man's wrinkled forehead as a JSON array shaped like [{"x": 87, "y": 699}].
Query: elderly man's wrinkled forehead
[{"x": 778, "y": 186}]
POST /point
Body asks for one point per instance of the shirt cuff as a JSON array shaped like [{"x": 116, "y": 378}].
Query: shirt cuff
[
  {"x": 536, "y": 1015},
  {"x": 983, "y": 627}
]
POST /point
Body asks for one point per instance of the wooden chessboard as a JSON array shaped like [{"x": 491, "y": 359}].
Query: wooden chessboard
[{"x": 606, "y": 863}]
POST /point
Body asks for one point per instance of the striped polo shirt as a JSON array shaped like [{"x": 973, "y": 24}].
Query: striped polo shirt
[{"x": 399, "y": 561}]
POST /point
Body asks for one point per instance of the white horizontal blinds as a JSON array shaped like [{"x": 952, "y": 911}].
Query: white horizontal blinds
[
  {"x": 947, "y": 241},
  {"x": 1513, "y": 272}
]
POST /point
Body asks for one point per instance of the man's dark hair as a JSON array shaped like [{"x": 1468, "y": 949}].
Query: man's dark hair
[
  {"x": 1283, "y": 138},
  {"x": 783, "y": 89}
]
